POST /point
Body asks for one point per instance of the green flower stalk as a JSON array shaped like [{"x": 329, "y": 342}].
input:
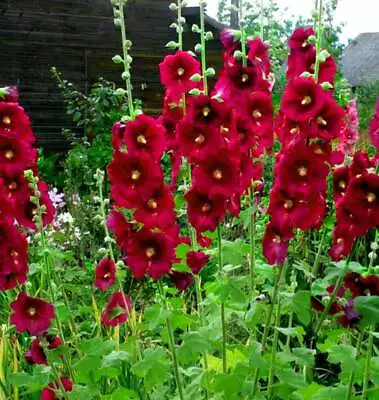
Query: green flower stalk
[{"x": 319, "y": 32}]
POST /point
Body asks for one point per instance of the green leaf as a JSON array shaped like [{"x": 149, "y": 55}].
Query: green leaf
[
  {"x": 308, "y": 392},
  {"x": 116, "y": 359},
  {"x": 155, "y": 315},
  {"x": 303, "y": 356},
  {"x": 124, "y": 394},
  {"x": 297, "y": 331},
  {"x": 301, "y": 303},
  {"x": 338, "y": 393},
  {"x": 194, "y": 344},
  {"x": 345, "y": 355},
  {"x": 368, "y": 308}
]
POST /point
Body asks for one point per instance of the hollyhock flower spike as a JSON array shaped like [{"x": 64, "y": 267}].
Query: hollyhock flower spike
[
  {"x": 303, "y": 98},
  {"x": 117, "y": 310},
  {"x": 349, "y": 135},
  {"x": 299, "y": 40},
  {"x": 105, "y": 274},
  {"x": 374, "y": 128},
  {"x": 31, "y": 314},
  {"x": 275, "y": 243},
  {"x": 182, "y": 280},
  {"x": 15, "y": 123},
  {"x": 206, "y": 111},
  {"x": 197, "y": 260},
  {"x": 50, "y": 393},
  {"x": 340, "y": 182},
  {"x": 258, "y": 54}
]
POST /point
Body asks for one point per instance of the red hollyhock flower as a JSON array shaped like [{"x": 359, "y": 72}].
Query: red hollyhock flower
[
  {"x": 303, "y": 98},
  {"x": 118, "y": 133},
  {"x": 362, "y": 197},
  {"x": 350, "y": 318},
  {"x": 16, "y": 187},
  {"x": 204, "y": 213},
  {"x": 374, "y": 128},
  {"x": 299, "y": 39},
  {"x": 36, "y": 354},
  {"x": 117, "y": 310},
  {"x": 15, "y": 155},
  {"x": 144, "y": 135},
  {"x": 258, "y": 54},
  {"x": 150, "y": 253},
  {"x": 51, "y": 392},
  {"x": 169, "y": 124},
  {"x": 244, "y": 133},
  {"x": 217, "y": 175},
  {"x": 286, "y": 210},
  {"x": 105, "y": 274},
  {"x": 259, "y": 108},
  {"x": 206, "y": 110},
  {"x": 301, "y": 172},
  {"x": 158, "y": 210},
  {"x": 328, "y": 122},
  {"x": 120, "y": 227},
  {"x": 31, "y": 314},
  {"x": 340, "y": 182},
  {"x": 133, "y": 177},
  {"x": 197, "y": 260},
  {"x": 244, "y": 80},
  {"x": 290, "y": 131},
  {"x": 275, "y": 244},
  {"x": 349, "y": 221},
  {"x": 361, "y": 164},
  {"x": 15, "y": 123},
  {"x": 12, "y": 95},
  {"x": 229, "y": 41},
  {"x": 342, "y": 244},
  {"x": 182, "y": 280},
  {"x": 197, "y": 141},
  {"x": 176, "y": 71}
]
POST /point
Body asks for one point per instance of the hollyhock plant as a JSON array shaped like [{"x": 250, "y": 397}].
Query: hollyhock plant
[
  {"x": 275, "y": 243},
  {"x": 36, "y": 354},
  {"x": 349, "y": 134},
  {"x": 117, "y": 310},
  {"x": 176, "y": 71},
  {"x": 258, "y": 54},
  {"x": 374, "y": 128},
  {"x": 105, "y": 274},
  {"x": 31, "y": 314},
  {"x": 182, "y": 280},
  {"x": 206, "y": 111},
  {"x": 299, "y": 40},
  {"x": 196, "y": 260},
  {"x": 51, "y": 392},
  {"x": 15, "y": 123},
  {"x": 340, "y": 182}
]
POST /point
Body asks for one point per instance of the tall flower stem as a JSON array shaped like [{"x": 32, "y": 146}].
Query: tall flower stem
[
  {"x": 261, "y": 34},
  {"x": 222, "y": 307},
  {"x": 366, "y": 376},
  {"x": 243, "y": 34},
  {"x": 271, "y": 373},
  {"x": 171, "y": 341},
  {"x": 180, "y": 25},
  {"x": 203, "y": 46},
  {"x": 319, "y": 31},
  {"x": 252, "y": 234},
  {"x": 316, "y": 264},
  {"x": 349, "y": 394},
  {"x": 279, "y": 276}
]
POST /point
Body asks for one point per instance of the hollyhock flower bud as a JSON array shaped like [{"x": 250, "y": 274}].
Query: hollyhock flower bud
[
  {"x": 176, "y": 71},
  {"x": 374, "y": 128},
  {"x": 14, "y": 123},
  {"x": 204, "y": 213},
  {"x": 217, "y": 175},
  {"x": 105, "y": 274},
  {"x": 303, "y": 98},
  {"x": 275, "y": 243},
  {"x": 196, "y": 260},
  {"x": 144, "y": 135},
  {"x": 299, "y": 39},
  {"x": 117, "y": 310},
  {"x": 197, "y": 141},
  {"x": 49, "y": 393},
  {"x": 132, "y": 177},
  {"x": 182, "y": 280},
  {"x": 118, "y": 133},
  {"x": 150, "y": 253},
  {"x": 258, "y": 54},
  {"x": 31, "y": 314}
]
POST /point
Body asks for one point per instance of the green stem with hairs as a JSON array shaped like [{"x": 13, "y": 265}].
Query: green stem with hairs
[
  {"x": 243, "y": 34},
  {"x": 316, "y": 264},
  {"x": 252, "y": 234},
  {"x": 319, "y": 38},
  {"x": 180, "y": 25},
  {"x": 366, "y": 376},
  {"x": 271, "y": 374},
  {"x": 203, "y": 46},
  {"x": 349, "y": 394}
]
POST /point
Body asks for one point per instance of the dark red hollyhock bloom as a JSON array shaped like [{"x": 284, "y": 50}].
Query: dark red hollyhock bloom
[
  {"x": 105, "y": 274},
  {"x": 133, "y": 177},
  {"x": 36, "y": 354},
  {"x": 218, "y": 175},
  {"x": 15, "y": 155},
  {"x": 12, "y": 95},
  {"x": 374, "y": 128},
  {"x": 303, "y": 98},
  {"x": 169, "y": 124},
  {"x": 15, "y": 123},
  {"x": 275, "y": 243},
  {"x": 299, "y": 39},
  {"x": 286, "y": 210},
  {"x": 244, "y": 134},
  {"x": 182, "y": 280},
  {"x": 243, "y": 79},
  {"x": 301, "y": 172},
  {"x": 26, "y": 210},
  {"x": 260, "y": 110},
  {"x": 31, "y": 314},
  {"x": 17, "y": 188},
  {"x": 204, "y": 212},
  {"x": 197, "y": 260},
  {"x": 51, "y": 392},
  {"x": 321, "y": 148},
  {"x": 349, "y": 222},
  {"x": 120, "y": 227},
  {"x": 6, "y": 211},
  {"x": 299, "y": 63},
  {"x": 150, "y": 253},
  {"x": 206, "y": 110},
  {"x": 342, "y": 243},
  {"x": 290, "y": 131},
  {"x": 258, "y": 54},
  {"x": 328, "y": 122},
  {"x": 350, "y": 318},
  {"x": 173, "y": 108},
  {"x": 362, "y": 197},
  {"x": 340, "y": 182},
  {"x": 144, "y": 135},
  {"x": 118, "y": 133},
  {"x": 176, "y": 71},
  {"x": 229, "y": 41},
  {"x": 197, "y": 141},
  {"x": 117, "y": 310},
  {"x": 361, "y": 163},
  {"x": 158, "y": 210}
]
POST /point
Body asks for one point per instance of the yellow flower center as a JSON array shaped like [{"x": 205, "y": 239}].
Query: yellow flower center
[
  {"x": 342, "y": 184},
  {"x": 152, "y": 204},
  {"x": 371, "y": 197},
  {"x": 276, "y": 239},
  {"x": 217, "y": 174},
  {"x": 181, "y": 71},
  {"x": 257, "y": 114},
  {"x": 206, "y": 111},
  {"x": 306, "y": 100},
  {"x": 141, "y": 139},
  {"x": 136, "y": 175},
  {"x": 200, "y": 139},
  {"x": 303, "y": 171},
  {"x": 321, "y": 121},
  {"x": 150, "y": 252},
  {"x": 206, "y": 207},
  {"x": 7, "y": 120},
  {"x": 288, "y": 204},
  {"x": 32, "y": 311},
  {"x": 9, "y": 155},
  {"x": 245, "y": 78}
]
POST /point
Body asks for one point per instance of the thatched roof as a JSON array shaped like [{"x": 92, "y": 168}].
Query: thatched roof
[{"x": 360, "y": 62}]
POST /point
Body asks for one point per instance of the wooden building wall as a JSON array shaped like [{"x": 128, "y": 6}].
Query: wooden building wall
[{"x": 79, "y": 38}]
